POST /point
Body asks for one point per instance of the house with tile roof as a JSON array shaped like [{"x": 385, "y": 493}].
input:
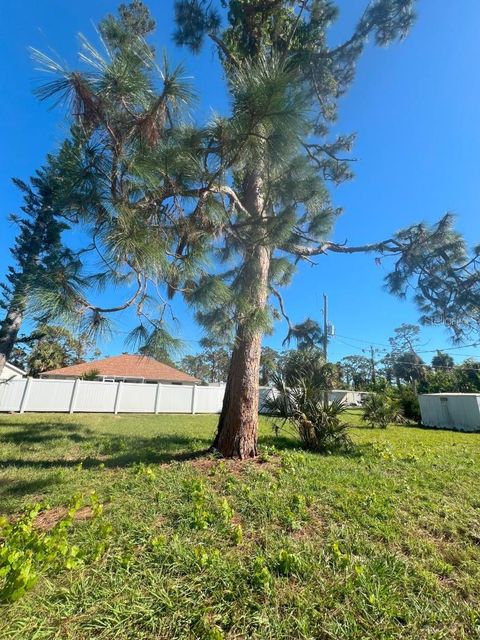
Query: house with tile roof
[{"x": 124, "y": 368}]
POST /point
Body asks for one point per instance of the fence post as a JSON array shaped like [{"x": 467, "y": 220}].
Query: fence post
[
  {"x": 194, "y": 392},
  {"x": 71, "y": 408},
  {"x": 26, "y": 393},
  {"x": 158, "y": 397},
  {"x": 117, "y": 397}
]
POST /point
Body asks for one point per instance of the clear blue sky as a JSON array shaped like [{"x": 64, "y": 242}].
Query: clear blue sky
[{"x": 414, "y": 106}]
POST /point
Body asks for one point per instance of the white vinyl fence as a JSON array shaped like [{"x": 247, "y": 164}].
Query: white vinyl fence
[{"x": 76, "y": 396}]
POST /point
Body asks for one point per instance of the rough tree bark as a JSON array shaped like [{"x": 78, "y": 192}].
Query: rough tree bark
[
  {"x": 238, "y": 424},
  {"x": 9, "y": 331}
]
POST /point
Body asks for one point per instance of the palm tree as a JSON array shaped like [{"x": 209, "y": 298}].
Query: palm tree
[{"x": 307, "y": 334}]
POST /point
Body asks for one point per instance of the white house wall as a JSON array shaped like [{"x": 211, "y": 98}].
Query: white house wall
[{"x": 10, "y": 373}]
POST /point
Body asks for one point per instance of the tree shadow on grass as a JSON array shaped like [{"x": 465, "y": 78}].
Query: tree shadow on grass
[
  {"x": 109, "y": 450},
  {"x": 116, "y": 451},
  {"x": 44, "y": 432},
  {"x": 26, "y": 487},
  {"x": 159, "y": 449},
  {"x": 279, "y": 442}
]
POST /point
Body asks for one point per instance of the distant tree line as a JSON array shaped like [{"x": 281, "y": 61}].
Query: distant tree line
[
  {"x": 50, "y": 347},
  {"x": 403, "y": 366},
  {"x": 401, "y": 370}
]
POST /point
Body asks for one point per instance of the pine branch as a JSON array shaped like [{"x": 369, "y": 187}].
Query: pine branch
[{"x": 231, "y": 57}]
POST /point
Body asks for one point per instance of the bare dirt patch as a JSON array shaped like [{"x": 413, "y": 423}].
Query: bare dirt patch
[
  {"x": 235, "y": 467},
  {"x": 312, "y": 530},
  {"x": 48, "y": 519}
]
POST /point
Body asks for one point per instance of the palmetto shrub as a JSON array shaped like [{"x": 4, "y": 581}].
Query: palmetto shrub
[
  {"x": 379, "y": 410},
  {"x": 301, "y": 406}
]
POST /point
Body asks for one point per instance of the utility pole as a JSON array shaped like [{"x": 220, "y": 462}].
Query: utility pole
[
  {"x": 325, "y": 326},
  {"x": 372, "y": 360},
  {"x": 325, "y": 341}
]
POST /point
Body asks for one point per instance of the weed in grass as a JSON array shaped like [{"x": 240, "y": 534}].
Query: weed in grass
[
  {"x": 207, "y": 629},
  {"x": 342, "y": 559},
  {"x": 227, "y": 511},
  {"x": 145, "y": 471},
  {"x": 287, "y": 562},
  {"x": 261, "y": 576},
  {"x": 237, "y": 534},
  {"x": 158, "y": 543},
  {"x": 27, "y": 551}
]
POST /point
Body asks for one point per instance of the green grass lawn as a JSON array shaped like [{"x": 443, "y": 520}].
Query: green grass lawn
[{"x": 383, "y": 543}]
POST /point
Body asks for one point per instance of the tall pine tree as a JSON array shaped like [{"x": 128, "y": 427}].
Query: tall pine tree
[
  {"x": 284, "y": 82},
  {"x": 223, "y": 214}
]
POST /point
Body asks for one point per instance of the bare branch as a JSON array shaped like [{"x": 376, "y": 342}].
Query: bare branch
[
  {"x": 390, "y": 246},
  {"x": 282, "y": 307}
]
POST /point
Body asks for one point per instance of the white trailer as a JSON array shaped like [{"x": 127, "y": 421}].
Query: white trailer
[
  {"x": 347, "y": 396},
  {"x": 458, "y": 411}
]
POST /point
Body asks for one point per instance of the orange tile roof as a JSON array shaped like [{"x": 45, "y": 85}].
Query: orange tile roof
[{"x": 128, "y": 366}]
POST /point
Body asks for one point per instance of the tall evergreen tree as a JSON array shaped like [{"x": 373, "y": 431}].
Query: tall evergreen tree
[
  {"x": 284, "y": 82},
  {"x": 357, "y": 371},
  {"x": 40, "y": 260},
  {"x": 442, "y": 360},
  {"x": 269, "y": 362},
  {"x": 247, "y": 192},
  {"x": 121, "y": 168}
]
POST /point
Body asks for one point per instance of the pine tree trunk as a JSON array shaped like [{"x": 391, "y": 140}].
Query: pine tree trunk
[
  {"x": 238, "y": 424},
  {"x": 9, "y": 330}
]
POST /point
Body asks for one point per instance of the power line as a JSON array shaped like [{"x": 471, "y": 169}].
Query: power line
[
  {"x": 379, "y": 344},
  {"x": 369, "y": 342}
]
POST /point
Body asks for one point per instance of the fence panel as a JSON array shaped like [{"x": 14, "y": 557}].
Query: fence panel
[
  {"x": 176, "y": 398},
  {"x": 44, "y": 396},
  {"x": 11, "y": 394},
  {"x": 93, "y": 397},
  {"x": 209, "y": 399},
  {"x": 136, "y": 398}
]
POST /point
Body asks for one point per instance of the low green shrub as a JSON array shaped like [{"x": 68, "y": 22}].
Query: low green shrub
[
  {"x": 318, "y": 425},
  {"x": 409, "y": 405}
]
